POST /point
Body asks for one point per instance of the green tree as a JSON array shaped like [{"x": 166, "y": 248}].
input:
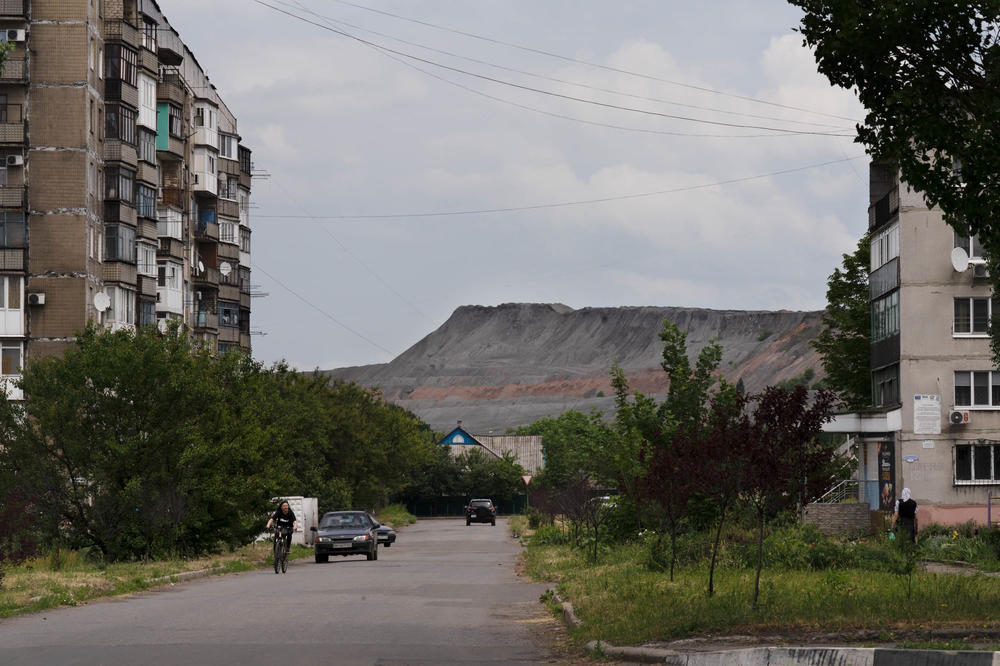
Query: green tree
[
  {"x": 927, "y": 73},
  {"x": 141, "y": 444},
  {"x": 845, "y": 341},
  {"x": 485, "y": 475}
]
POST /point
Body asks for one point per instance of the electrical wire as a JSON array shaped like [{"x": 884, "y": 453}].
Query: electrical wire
[
  {"x": 554, "y": 79},
  {"x": 257, "y": 267},
  {"x": 591, "y": 64},
  {"x": 540, "y": 91},
  {"x": 347, "y": 251},
  {"x": 514, "y": 209}
]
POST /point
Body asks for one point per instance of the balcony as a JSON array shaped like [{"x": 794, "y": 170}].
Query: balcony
[
  {"x": 883, "y": 279},
  {"x": 205, "y": 319},
  {"x": 206, "y": 226},
  {"x": 120, "y": 31},
  {"x": 147, "y": 285},
  {"x": 13, "y": 70},
  {"x": 118, "y": 211},
  {"x": 117, "y": 271},
  {"x": 12, "y": 8},
  {"x": 171, "y": 247},
  {"x": 171, "y": 89},
  {"x": 116, "y": 90},
  {"x": 11, "y": 197},
  {"x": 204, "y": 136},
  {"x": 11, "y": 124},
  {"x": 884, "y": 209},
  {"x": 205, "y": 182},
  {"x": 172, "y": 196},
  {"x": 209, "y": 276},
  {"x": 119, "y": 151}
]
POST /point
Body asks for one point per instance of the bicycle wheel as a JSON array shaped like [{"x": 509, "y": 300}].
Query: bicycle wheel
[
  {"x": 277, "y": 553},
  {"x": 284, "y": 557}
]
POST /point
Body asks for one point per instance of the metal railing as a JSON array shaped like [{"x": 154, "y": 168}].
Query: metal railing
[
  {"x": 884, "y": 209},
  {"x": 852, "y": 490}
]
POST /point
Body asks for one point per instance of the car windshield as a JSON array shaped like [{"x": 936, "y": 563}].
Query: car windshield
[
  {"x": 482, "y": 503},
  {"x": 344, "y": 520}
]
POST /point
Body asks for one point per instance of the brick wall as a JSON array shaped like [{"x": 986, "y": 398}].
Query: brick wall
[
  {"x": 57, "y": 179},
  {"x": 62, "y": 10},
  {"x": 65, "y": 309},
  {"x": 59, "y": 52},
  {"x": 58, "y": 243},
  {"x": 839, "y": 519}
]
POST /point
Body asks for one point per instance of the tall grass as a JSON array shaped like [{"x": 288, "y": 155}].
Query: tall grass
[
  {"x": 395, "y": 515},
  {"x": 623, "y": 602}
]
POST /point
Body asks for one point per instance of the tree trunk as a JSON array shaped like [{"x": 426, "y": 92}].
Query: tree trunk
[
  {"x": 760, "y": 557},
  {"x": 715, "y": 551},
  {"x": 673, "y": 551}
]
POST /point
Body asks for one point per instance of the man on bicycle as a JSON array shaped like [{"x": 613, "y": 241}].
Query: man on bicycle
[{"x": 284, "y": 519}]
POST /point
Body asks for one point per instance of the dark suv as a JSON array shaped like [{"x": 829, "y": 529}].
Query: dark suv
[{"x": 481, "y": 511}]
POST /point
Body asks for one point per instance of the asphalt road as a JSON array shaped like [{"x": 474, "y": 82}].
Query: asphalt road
[{"x": 443, "y": 594}]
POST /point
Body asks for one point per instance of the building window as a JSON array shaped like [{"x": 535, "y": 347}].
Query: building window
[
  {"x": 10, "y": 292},
  {"x": 245, "y": 164},
  {"x": 146, "y": 254},
  {"x": 168, "y": 276},
  {"x": 885, "y": 386},
  {"x": 122, "y": 63},
  {"x": 227, "y": 231},
  {"x": 244, "y": 280},
  {"x": 977, "y": 463},
  {"x": 971, "y": 245},
  {"x": 229, "y": 315},
  {"x": 147, "y": 146},
  {"x": 120, "y": 184},
  {"x": 147, "y": 101},
  {"x": 884, "y": 247},
  {"x": 10, "y": 357},
  {"x": 119, "y": 123},
  {"x": 147, "y": 313},
  {"x": 149, "y": 34},
  {"x": 119, "y": 243},
  {"x": 972, "y": 316},
  {"x": 885, "y": 317},
  {"x": 227, "y": 146},
  {"x": 977, "y": 388},
  {"x": 12, "y": 229},
  {"x": 244, "y": 239},
  {"x": 122, "y": 308},
  {"x": 145, "y": 201},
  {"x": 176, "y": 121}
]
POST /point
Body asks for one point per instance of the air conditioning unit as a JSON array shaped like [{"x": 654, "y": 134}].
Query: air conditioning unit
[
  {"x": 958, "y": 417},
  {"x": 37, "y": 298},
  {"x": 15, "y": 160},
  {"x": 15, "y": 35},
  {"x": 980, "y": 271}
]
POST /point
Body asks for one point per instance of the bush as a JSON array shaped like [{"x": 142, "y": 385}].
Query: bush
[
  {"x": 537, "y": 518},
  {"x": 549, "y": 535}
]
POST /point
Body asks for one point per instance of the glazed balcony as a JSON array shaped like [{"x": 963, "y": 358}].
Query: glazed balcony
[
  {"x": 121, "y": 31},
  {"x": 884, "y": 209},
  {"x": 12, "y": 8},
  {"x": 11, "y": 197},
  {"x": 11, "y": 124}
]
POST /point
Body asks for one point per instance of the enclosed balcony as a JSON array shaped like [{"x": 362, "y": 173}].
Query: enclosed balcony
[
  {"x": 121, "y": 31},
  {"x": 12, "y": 8},
  {"x": 13, "y": 70},
  {"x": 883, "y": 210},
  {"x": 11, "y": 124}
]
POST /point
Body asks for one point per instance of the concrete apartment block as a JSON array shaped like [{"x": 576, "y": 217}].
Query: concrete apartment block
[
  {"x": 934, "y": 426},
  {"x": 117, "y": 158}
]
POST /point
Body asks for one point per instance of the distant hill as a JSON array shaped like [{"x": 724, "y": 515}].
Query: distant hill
[{"x": 509, "y": 365}]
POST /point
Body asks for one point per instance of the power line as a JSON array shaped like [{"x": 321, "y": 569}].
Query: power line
[
  {"x": 257, "y": 267},
  {"x": 351, "y": 254},
  {"x": 540, "y": 91},
  {"x": 592, "y": 64},
  {"x": 558, "y": 80},
  {"x": 513, "y": 209}
]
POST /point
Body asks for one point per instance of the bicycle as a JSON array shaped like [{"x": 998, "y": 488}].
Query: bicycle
[{"x": 280, "y": 550}]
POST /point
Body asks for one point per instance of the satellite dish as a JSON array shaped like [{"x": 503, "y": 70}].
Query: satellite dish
[
  {"x": 959, "y": 260},
  {"x": 201, "y": 267},
  {"x": 162, "y": 325},
  {"x": 101, "y": 301},
  {"x": 225, "y": 269}
]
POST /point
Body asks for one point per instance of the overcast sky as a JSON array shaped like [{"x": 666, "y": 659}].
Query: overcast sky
[{"x": 344, "y": 129}]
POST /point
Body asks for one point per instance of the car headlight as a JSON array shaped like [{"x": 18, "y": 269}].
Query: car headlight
[
  {"x": 363, "y": 537},
  {"x": 322, "y": 539}
]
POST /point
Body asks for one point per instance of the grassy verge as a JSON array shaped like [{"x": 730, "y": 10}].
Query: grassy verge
[
  {"x": 621, "y": 601},
  {"x": 395, "y": 515},
  {"x": 69, "y": 580}
]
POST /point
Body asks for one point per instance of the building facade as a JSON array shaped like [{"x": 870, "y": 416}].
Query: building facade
[
  {"x": 124, "y": 188},
  {"x": 935, "y": 424}
]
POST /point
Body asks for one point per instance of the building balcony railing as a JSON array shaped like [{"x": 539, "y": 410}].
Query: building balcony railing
[
  {"x": 204, "y": 319},
  {"x": 13, "y": 70},
  {"x": 116, "y": 90},
  {"x": 171, "y": 247},
  {"x": 884, "y": 209},
  {"x": 119, "y": 211},
  {"x": 13, "y": 231},
  {"x": 172, "y": 196},
  {"x": 11, "y": 197},
  {"x": 121, "y": 31},
  {"x": 172, "y": 89},
  {"x": 209, "y": 276},
  {"x": 883, "y": 279},
  {"x": 10, "y": 8}
]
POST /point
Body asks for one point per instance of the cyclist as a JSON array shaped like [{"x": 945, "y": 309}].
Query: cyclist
[{"x": 284, "y": 519}]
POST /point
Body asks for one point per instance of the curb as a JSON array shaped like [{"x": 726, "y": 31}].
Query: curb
[
  {"x": 202, "y": 573},
  {"x": 783, "y": 656}
]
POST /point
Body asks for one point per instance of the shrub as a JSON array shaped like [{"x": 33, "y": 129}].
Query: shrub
[
  {"x": 550, "y": 535},
  {"x": 537, "y": 518}
]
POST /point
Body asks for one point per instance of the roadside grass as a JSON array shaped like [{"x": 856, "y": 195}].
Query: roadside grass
[
  {"x": 66, "y": 578},
  {"x": 395, "y": 515},
  {"x": 517, "y": 525},
  {"x": 624, "y": 603}
]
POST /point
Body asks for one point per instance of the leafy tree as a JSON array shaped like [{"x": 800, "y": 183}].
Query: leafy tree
[
  {"x": 927, "y": 72},
  {"x": 485, "y": 475},
  {"x": 787, "y": 462},
  {"x": 670, "y": 482},
  {"x": 437, "y": 476},
  {"x": 845, "y": 342}
]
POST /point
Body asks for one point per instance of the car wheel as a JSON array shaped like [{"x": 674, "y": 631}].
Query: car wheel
[
  {"x": 388, "y": 543},
  {"x": 322, "y": 559},
  {"x": 493, "y": 522}
]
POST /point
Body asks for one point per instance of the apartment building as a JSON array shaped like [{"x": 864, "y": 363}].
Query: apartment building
[
  {"x": 124, "y": 188},
  {"x": 935, "y": 423}
]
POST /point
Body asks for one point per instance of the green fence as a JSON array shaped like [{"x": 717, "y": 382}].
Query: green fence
[{"x": 455, "y": 506}]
